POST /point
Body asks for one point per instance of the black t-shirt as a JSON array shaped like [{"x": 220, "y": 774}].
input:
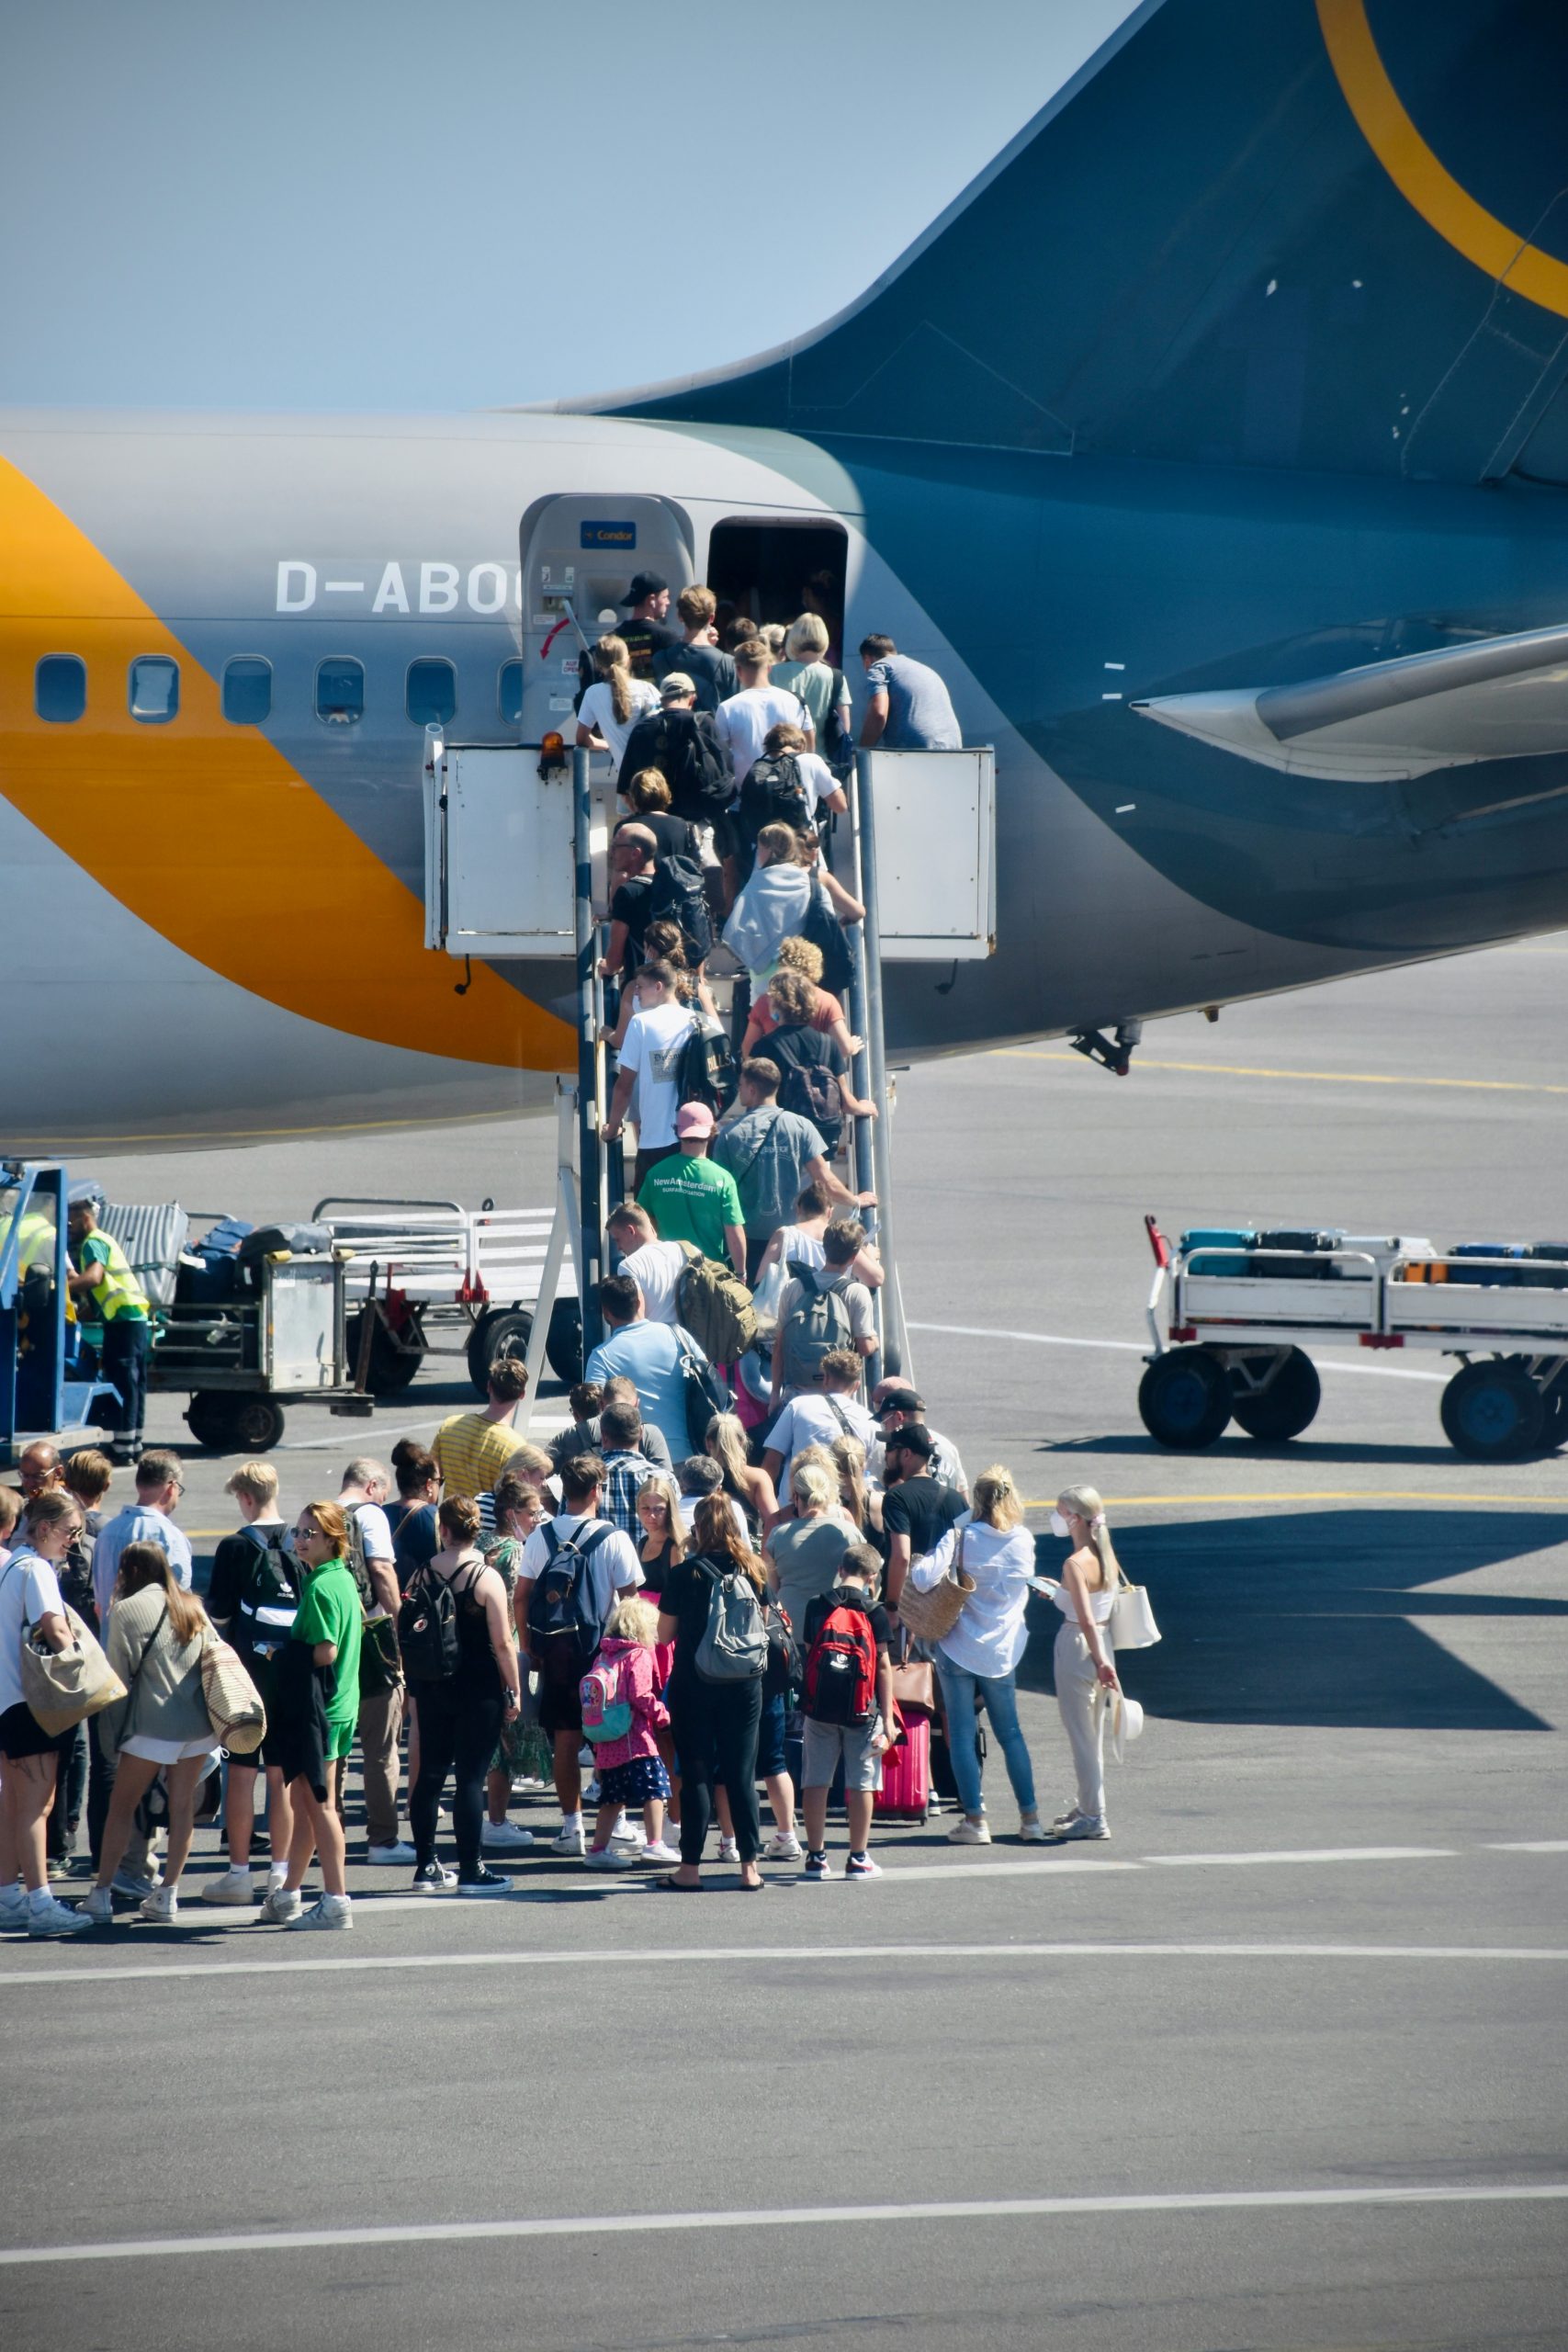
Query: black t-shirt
[
  {"x": 628, "y": 904},
  {"x": 712, "y": 673},
  {"x": 845, "y": 1596},
  {"x": 674, "y": 836},
  {"x": 685, "y": 1596},
  {"x": 923, "y": 1510},
  {"x": 642, "y": 639},
  {"x": 795, "y": 1047},
  {"x": 655, "y": 1571}
]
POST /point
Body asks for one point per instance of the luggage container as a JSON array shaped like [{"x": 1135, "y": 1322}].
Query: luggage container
[{"x": 1231, "y": 1343}]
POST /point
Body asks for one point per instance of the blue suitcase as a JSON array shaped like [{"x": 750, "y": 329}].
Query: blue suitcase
[
  {"x": 1216, "y": 1238},
  {"x": 1495, "y": 1277}
]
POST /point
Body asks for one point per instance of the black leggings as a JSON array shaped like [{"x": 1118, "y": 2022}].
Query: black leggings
[
  {"x": 716, "y": 1725},
  {"x": 458, "y": 1730}
]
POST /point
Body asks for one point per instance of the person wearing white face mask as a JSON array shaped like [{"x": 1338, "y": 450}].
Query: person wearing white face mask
[{"x": 1083, "y": 1660}]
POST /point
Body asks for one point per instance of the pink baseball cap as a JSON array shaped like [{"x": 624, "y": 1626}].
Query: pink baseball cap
[{"x": 695, "y": 1119}]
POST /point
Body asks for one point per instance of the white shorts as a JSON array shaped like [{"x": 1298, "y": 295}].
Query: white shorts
[{"x": 168, "y": 1751}]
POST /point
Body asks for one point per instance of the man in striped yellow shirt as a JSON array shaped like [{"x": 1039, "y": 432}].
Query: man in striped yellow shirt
[{"x": 473, "y": 1449}]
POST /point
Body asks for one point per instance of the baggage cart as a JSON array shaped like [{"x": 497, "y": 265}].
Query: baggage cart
[{"x": 1233, "y": 1312}]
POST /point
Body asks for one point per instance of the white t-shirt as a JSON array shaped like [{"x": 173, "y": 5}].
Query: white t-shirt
[
  {"x": 611, "y": 1567},
  {"x": 28, "y": 1590},
  {"x": 655, "y": 1269},
  {"x": 652, "y": 1051},
  {"x": 809, "y": 1419},
  {"x": 689, "y": 1514},
  {"x": 743, "y": 721},
  {"x": 597, "y": 710},
  {"x": 816, "y": 777},
  {"x": 373, "y": 1531}
]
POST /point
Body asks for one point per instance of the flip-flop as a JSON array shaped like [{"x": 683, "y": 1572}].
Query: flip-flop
[
  {"x": 759, "y": 1887},
  {"x": 674, "y": 1886}
]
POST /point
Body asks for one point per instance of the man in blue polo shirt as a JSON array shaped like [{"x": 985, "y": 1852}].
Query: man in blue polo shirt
[{"x": 650, "y": 1355}]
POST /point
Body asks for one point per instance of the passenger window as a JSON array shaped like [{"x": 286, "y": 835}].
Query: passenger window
[
  {"x": 247, "y": 691},
  {"x": 509, "y": 694},
  {"x": 430, "y": 696},
  {"x": 154, "y": 689},
  {"x": 340, "y": 691},
  {"x": 59, "y": 688}
]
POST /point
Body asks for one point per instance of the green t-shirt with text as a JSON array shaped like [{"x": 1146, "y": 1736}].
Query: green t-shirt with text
[{"x": 691, "y": 1200}]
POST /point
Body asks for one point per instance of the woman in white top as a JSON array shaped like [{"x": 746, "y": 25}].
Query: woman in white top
[
  {"x": 978, "y": 1662},
  {"x": 1083, "y": 1659},
  {"x": 613, "y": 703},
  {"x": 30, "y": 1756}
]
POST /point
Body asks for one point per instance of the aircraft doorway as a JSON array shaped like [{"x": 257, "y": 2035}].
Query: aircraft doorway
[
  {"x": 776, "y": 570},
  {"x": 579, "y": 553}
]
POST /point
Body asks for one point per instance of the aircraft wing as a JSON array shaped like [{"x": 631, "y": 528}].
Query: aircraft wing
[{"x": 1495, "y": 698}]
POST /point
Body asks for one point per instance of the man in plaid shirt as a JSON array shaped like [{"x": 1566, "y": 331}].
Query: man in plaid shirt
[{"x": 620, "y": 1434}]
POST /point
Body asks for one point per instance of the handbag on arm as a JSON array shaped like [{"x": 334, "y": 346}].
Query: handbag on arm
[{"x": 934, "y": 1612}]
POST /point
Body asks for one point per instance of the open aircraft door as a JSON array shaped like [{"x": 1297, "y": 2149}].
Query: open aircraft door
[{"x": 578, "y": 554}]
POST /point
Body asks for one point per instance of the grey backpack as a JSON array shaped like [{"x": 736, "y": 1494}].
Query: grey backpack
[
  {"x": 734, "y": 1646},
  {"x": 818, "y": 1322}
]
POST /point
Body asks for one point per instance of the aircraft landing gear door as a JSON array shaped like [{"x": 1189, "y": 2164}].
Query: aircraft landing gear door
[{"x": 578, "y": 556}]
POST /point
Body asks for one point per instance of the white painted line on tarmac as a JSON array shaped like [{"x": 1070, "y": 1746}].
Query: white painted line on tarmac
[
  {"x": 1528, "y": 1846},
  {"x": 347, "y": 1963},
  {"x": 1141, "y": 1348},
  {"x": 1310, "y": 1854},
  {"x": 990, "y": 2209}
]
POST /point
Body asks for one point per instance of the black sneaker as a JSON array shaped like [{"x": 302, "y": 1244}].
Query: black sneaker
[
  {"x": 485, "y": 1882},
  {"x": 432, "y": 1878}
]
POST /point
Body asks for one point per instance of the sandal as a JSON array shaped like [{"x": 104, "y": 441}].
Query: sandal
[{"x": 668, "y": 1886}]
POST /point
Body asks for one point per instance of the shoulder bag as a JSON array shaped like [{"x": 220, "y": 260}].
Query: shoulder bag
[
  {"x": 1131, "y": 1625},
  {"x": 932, "y": 1614},
  {"x": 914, "y": 1683},
  {"x": 63, "y": 1688},
  {"x": 234, "y": 1704}
]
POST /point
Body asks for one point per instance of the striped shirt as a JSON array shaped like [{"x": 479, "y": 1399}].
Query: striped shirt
[{"x": 472, "y": 1451}]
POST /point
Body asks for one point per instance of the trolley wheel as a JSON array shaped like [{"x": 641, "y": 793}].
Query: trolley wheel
[
  {"x": 1556, "y": 1401},
  {"x": 1185, "y": 1398},
  {"x": 502, "y": 1332},
  {"x": 391, "y": 1368},
  {"x": 563, "y": 1342},
  {"x": 1287, "y": 1406},
  {"x": 1493, "y": 1411},
  {"x": 228, "y": 1423}
]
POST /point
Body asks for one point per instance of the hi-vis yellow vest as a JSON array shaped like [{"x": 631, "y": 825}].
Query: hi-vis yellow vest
[
  {"x": 35, "y": 1242},
  {"x": 117, "y": 1290}
]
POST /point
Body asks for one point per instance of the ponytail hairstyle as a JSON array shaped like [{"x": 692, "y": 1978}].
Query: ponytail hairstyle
[
  {"x": 848, "y": 1460},
  {"x": 1083, "y": 1502},
  {"x": 613, "y": 661},
  {"x": 459, "y": 1518},
  {"x": 996, "y": 1499}
]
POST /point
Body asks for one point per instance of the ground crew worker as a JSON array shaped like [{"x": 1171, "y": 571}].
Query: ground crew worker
[{"x": 104, "y": 1281}]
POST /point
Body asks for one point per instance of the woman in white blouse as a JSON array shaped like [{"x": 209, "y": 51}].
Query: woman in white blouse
[{"x": 978, "y": 1662}]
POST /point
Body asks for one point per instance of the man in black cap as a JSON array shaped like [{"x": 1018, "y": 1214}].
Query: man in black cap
[
  {"x": 895, "y": 1406},
  {"x": 643, "y": 632}
]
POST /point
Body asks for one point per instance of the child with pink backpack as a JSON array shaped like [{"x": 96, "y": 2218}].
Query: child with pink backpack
[{"x": 622, "y": 1715}]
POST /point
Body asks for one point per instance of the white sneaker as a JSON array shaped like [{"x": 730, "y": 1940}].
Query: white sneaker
[
  {"x": 729, "y": 1851},
  {"x": 97, "y": 1905},
  {"x": 279, "y": 1909},
  {"x": 233, "y": 1887},
  {"x": 386, "y": 1856},
  {"x": 569, "y": 1841},
  {"x": 608, "y": 1857},
  {"x": 505, "y": 1838},
  {"x": 966, "y": 1832},
  {"x": 332, "y": 1911},
  {"x": 627, "y": 1833},
  {"x": 1087, "y": 1826},
  {"x": 52, "y": 1918},
  {"x": 658, "y": 1853},
  {"x": 1032, "y": 1832},
  {"x": 127, "y": 1882},
  {"x": 162, "y": 1906},
  {"x": 1064, "y": 1819},
  {"x": 784, "y": 1846}
]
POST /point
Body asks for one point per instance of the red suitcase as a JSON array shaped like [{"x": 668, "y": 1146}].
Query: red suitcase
[{"x": 906, "y": 1774}]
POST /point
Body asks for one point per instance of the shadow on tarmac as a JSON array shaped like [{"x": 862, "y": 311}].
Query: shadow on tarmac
[
  {"x": 1307, "y": 1617},
  {"x": 1239, "y": 1449}
]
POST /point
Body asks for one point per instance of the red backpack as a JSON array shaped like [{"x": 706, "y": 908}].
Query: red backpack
[{"x": 841, "y": 1667}]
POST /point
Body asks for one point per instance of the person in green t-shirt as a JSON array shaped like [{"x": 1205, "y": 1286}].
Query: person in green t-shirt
[
  {"x": 691, "y": 1198},
  {"x": 324, "y": 1639}
]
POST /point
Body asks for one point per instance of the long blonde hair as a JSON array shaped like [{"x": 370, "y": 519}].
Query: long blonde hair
[
  {"x": 996, "y": 1499},
  {"x": 849, "y": 1456},
  {"x": 613, "y": 661},
  {"x": 1083, "y": 1502},
  {"x": 725, "y": 1440},
  {"x": 669, "y": 1495},
  {"x": 148, "y": 1563}
]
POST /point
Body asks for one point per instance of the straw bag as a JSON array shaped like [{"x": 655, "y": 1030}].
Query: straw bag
[
  {"x": 234, "y": 1704},
  {"x": 63, "y": 1688},
  {"x": 934, "y": 1612},
  {"x": 1133, "y": 1624}
]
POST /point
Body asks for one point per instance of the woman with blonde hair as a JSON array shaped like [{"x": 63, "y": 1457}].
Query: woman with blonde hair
[
  {"x": 1083, "y": 1659},
  {"x": 859, "y": 1503},
  {"x": 614, "y": 702},
  {"x": 30, "y": 1756},
  {"x": 821, "y": 687},
  {"x": 725, "y": 1440},
  {"x": 156, "y": 1635},
  {"x": 976, "y": 1663},
  {"x": 714, "y": 1724}
]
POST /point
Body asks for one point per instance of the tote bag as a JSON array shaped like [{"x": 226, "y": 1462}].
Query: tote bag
[{"x": 1133, "y": 1624}]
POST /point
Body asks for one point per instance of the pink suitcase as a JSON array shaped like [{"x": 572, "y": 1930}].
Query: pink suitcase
[{"x": 906, "y": 1774}]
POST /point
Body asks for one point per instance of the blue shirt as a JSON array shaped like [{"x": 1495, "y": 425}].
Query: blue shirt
[
  {"x": 135, "y": 1525},
  {"x": 920, "y": 717},
  {"x": 648, "y": 1355}
]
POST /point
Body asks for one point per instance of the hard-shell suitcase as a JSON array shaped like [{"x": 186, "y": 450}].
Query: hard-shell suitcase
[
  {"x": 296, "y": 1240},
  {"x": 1499, "y": 1277},
  {"x": 906, "y": 1774},
  {"x": 218, "y": 1276},
  {"x": 1213, "y": 1238},
  {"x": 1304, "y": 1248}
]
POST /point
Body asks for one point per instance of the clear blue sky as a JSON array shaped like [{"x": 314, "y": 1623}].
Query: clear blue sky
[{"x": 390, "y": 204}]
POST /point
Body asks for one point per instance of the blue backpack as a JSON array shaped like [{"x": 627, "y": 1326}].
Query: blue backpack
[{"x": 564, "y": 1626}]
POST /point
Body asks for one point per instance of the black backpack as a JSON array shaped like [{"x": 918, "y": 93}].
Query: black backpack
[
  {"x": 823, "y": 927},
  {"x": 773, "y": 794},
  {"x": 564, "y": 1629},
  {"x": 427, "y": 1625},
  {"x": 676, "y": 895},
  {"x": 273, "y": 1581},
  {"x": 812, "y": 1091},
  {"x": 707, "y": 1071},
  {"x": 682, "y": 745},
  {"x": 836, "y": 742}
]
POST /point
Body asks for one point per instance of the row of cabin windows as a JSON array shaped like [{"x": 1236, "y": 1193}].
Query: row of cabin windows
[{"x": 430, "y": 690}]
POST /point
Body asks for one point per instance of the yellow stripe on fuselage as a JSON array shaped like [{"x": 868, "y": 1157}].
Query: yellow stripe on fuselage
[{"x": 208, "y": 834}]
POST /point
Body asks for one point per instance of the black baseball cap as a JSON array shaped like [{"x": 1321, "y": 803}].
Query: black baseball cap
[
  {"x": 902, "y": 1401},
  {"x": 913, "y": 1438},
  {"x": 644, "y": 583}
]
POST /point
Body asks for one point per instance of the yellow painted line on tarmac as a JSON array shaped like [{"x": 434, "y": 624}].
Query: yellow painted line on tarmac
[
  {"x": 1313, "y": 1077},
  {"x": 1320, "y": 1495}
]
